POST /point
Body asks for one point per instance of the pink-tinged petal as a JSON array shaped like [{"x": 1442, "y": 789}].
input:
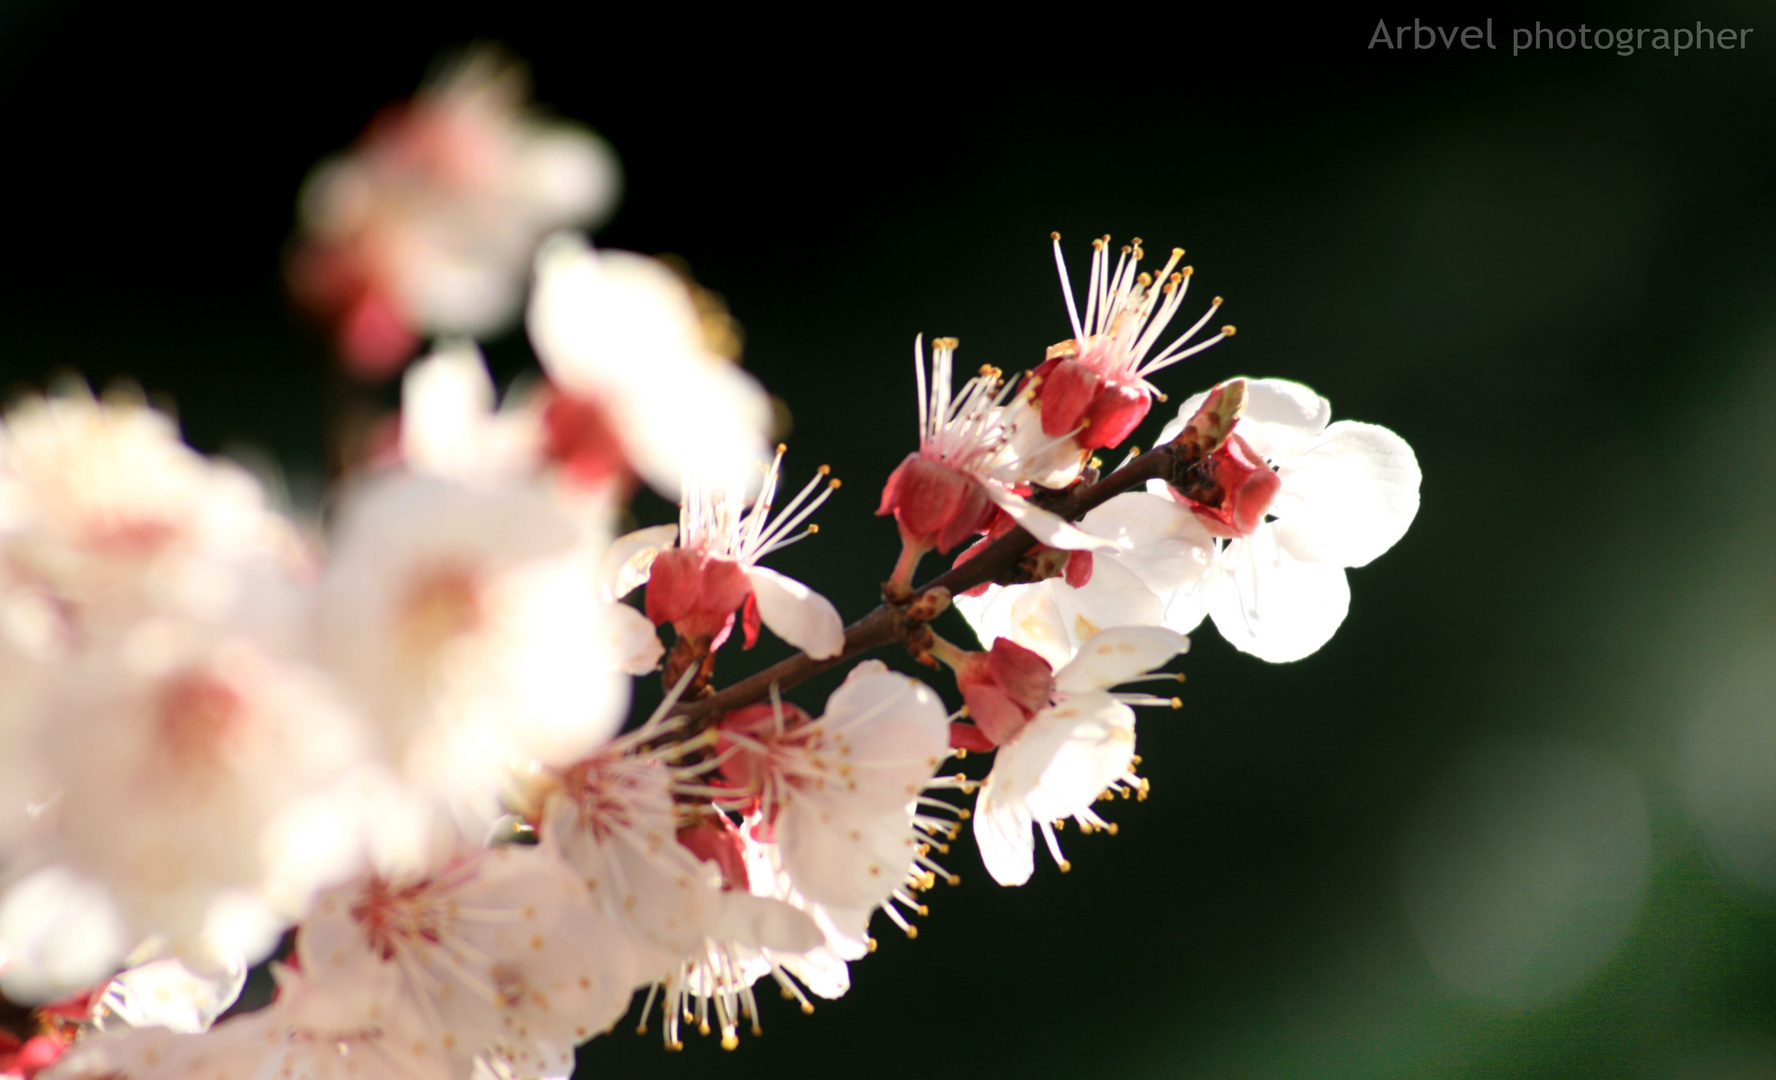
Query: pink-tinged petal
[
  {"x": 844, "y": 860},
  {"x": 630, "y": 559},
  {"x": 1002, "y": 832},
  {"x": 1276, "y": 607},
  {"x": 1349, "y": 496},
  {"x": 1046, "y": 527},
  {"x": 1117, "y": 655},
  {"x": 798, "y": 614}
]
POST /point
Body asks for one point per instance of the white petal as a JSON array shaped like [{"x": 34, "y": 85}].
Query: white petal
[
  {"x": 1348, "y": 497},
  {"x": 1002, "y": 832},
  {"x": 1169, "y": 551},
  {"x": 165, "y": 993},
  {"x": 1052, "y": 619},
  {"x": 1047, "y": 528},
  {"x": 1118, "y": 655},
  {"x": 1275, "y": 607},
  {"x": 635, "y": 645},
  {"x": 765, "y": 924},
  {"x": 446, "y": 400},
  {"x": 797, "y": 614},
  {"x": 630, "y": 559},
  {"x": 845, "y": 860}
]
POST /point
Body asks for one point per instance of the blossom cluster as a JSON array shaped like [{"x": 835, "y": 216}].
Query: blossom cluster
[{"x": 394, "y": 756}]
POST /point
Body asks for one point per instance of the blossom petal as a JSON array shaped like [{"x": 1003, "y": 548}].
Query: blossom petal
[
  {"x": 764, "y": 923},
  {"x": 635, "y": 645},
  {"x": 798, "y": 614},
  {"x": 1002, "y": 832},
  {"x": 1276, "y": 607},
  {"x": 1047, "y": 528},
  {"x": 1118, "y": 655},
  {"x": 1348, "y": 497},
  {"x": 630, "y": 560}
]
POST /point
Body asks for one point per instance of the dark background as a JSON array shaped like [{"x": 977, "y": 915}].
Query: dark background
[{"x": 1478, "y": 835}]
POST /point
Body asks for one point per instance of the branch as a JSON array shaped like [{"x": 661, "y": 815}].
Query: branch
[{"x": 889, "y": 623}]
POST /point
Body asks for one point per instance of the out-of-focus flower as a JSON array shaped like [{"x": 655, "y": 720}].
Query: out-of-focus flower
[
  {"x": 642, "y": 390},
  {"x": 184, "y": 769},
  {"x": 311, "y": 1032},
  {"x": 1092, "y": 390},
  {"x": 428, "y": 225},
  {"x": 467, "y": 627},
  {"x": 1070, "y": 753}
]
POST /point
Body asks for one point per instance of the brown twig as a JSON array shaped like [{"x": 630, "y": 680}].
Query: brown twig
[{"x": 889, "y": 623}]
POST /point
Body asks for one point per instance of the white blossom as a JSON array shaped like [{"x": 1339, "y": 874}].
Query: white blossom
[{"x": 1069, "y": 754}]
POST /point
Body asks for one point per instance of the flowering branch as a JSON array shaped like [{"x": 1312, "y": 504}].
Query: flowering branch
[{"x": 890, "y": 622}]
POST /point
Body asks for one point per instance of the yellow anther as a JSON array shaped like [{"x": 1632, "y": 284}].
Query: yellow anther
[
  {"x": 1177, "y": 703},
  {"x": 923, "y": 910},
  {"x": 641, "y": 1029},
  {"x": 1134, "y": 451},
  {"x": 964, "y": 814},
  {"x": 946, "y": 343},
  {"x": 834, "y": 483},
  {"x": 1066, "y": 866},
  {"x": 1111, "y": 828},
  {"x": 1097, "y": 462},
  {"x": 1162, "y": 398},
  {"x": 1054, "y": 236},
  {"x": 730, "y": 1041},
  {"x": 1187, "y": 271},
  {"x": 812, "y": 529},
  {"x": 955, "y": 879},
  {"x": 870, "y": 943},
  {"x": 703, "y": 1028},
  {"x": 757, "y": 1031},
  {"x": 807, "y": 1008},
  {"x": 1177, "y": 253},
  {"x": 912, "y": 932},
  {"x": 1228, "y": 331},
  {"x": 824, "y": 469},
  {"x": 1059, "y": 824},
  {"x": 787, "y": 995},
  {"x": 1135, "y": 759},
  {"x": 1098, "y": 245},
  {"x": 960, "y": 752},
  {"x": 783, "y": 448}
]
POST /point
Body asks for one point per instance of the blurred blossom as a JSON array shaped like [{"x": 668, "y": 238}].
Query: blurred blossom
[
  {"x": 428, "y": 224},
  {"x": 1524, "y": 869},
  {"x": 643, "y": 386},
  {"x": 1728, "y": 781}
]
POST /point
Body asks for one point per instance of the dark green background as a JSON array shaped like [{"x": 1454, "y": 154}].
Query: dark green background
[{"x": 1550, "y": 273}]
